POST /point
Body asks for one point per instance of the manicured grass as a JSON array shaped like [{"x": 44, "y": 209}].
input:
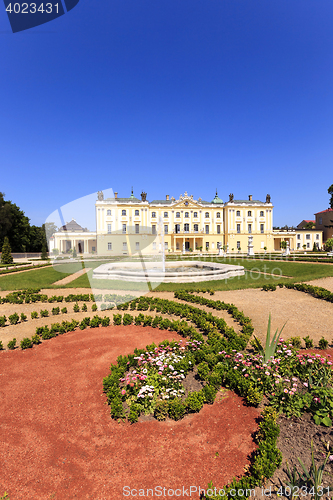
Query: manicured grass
[{"x": 39, "y": 278}]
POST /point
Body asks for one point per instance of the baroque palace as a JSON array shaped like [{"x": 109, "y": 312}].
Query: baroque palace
[{"x": 131, "y": 225}]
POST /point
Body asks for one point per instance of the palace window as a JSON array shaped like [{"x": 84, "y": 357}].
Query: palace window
[
  {"x": 249, "y": 214},
  {"x": 137, "y": 245},
  {"x": 186, "y": 227},
  {"x": 320, "y": 220},
  {"x": 238, "y": 213},
  {"x": 153, "y": 214},
  {"x": 166, "y": 245},
  {"x": 207, "y": 214},
  {"x": 136, "y": 213},
  {"x": 249, "y": 228},
  {"x": 177, "y": 214},
  {"x": 108, "y": 212},
  {"x": 298, "y": 236},
  {"x": 262, "y": 228},
  {"x": 166, "y": 214},
  {"x": 298, "y": 245},
  {"x": 238, "y": 245},
  {"x": 207, "y": 229},
  {"x": 218, "y": 215},
  {"x": 124, "y": 245},
  {"x": 207, "y": 245},
  {"x": 123, "y": 212},
  {"x": 308, "y": 245},
  {"x": 218, "y": 229},
  {"x": 154, "y": 245},
  {"x": 317, "y": 236},
  {"x": 137, "y": 228},
  {"x": 186, "y": 215},
  {"x": 238, "y": 228},
  {"x": 195, "y": 214},
  {"x": 109, "y": 228},
  {"x": 308, "y": 236},
  {"x": 196, "y": 228},
  {"x": 261, "y": 213},
  {"x": 177, "y": 228},
  {"x": 124, "y": 228},
  {"x": 166, "y": 229},
  {"x": 153, "y": 229},
  {"x": 109, "y": 246}
]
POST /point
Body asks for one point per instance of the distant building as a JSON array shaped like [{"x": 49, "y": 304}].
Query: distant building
[
  {"x": 304, "y": 223},
  {"x": 324, "y": 222}
]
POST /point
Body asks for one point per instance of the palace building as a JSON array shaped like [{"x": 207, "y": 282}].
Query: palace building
[{"x": 131, "y": 225}]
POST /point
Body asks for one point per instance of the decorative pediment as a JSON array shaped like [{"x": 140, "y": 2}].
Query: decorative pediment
[{"x": 187, "y": 202}]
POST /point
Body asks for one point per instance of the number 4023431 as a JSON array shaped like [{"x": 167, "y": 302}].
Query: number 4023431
[
  {"x": 32, "y": 8},
  {"x": 295, "y": 491}
]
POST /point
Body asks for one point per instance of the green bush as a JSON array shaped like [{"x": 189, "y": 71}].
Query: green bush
[
  {"x": 209, "y": 393},
  {"x": 296, "y": 342},
  {"x": 23, "y": 317},
  {"x": 176, "y": 409},
  {"x": 26, "y": 343},
  {"x": 194, "y": 401},
  {"x": 94, "y": 307},
  {"x": 11, "y": 344},
  {"x": 134, "y": 413},
  {"x": 117, "y": 319},
  {"x": 127, "y": 319},
  {"x": 1, "y": 345},
  {"x": 308, "y": 342},
  {"x": 84, "y": 308},
  {"x": 161, "y": 410},
  {"x": 76, "y": 308},
  {"x": 147, "y": 321},
  {"x": 203, "y": 370},
  {"x": 95, "y": 322},
  {"x": 106, "y": 321},
  {"x": 55, "y": 311},
  {"x": 323, "y": 343},
  {"x": 34, "y": 315},
  {"x": 3, "y": 320},
  {"x": 13, "y": 319},
  {"x": 64, "y": 310},
  {"x": 44, "y": 313},
  {"x": 35, "y": 339}
]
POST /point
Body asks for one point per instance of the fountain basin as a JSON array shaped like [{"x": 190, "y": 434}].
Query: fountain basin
[{"x": 175, "y": 272}]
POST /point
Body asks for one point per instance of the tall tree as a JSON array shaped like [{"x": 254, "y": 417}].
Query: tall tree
[
  {"x": 330, "y": 191},
  {"x": 6, "y": 255}
]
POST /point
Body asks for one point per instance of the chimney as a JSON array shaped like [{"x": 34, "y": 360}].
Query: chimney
[
  {"x": 115, "y": 195},
  {"x": 167, "y": 197},
  {"x": 250, "y": 197}
]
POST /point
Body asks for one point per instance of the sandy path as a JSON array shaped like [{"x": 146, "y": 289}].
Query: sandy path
[{"x": 72, "y": 277}]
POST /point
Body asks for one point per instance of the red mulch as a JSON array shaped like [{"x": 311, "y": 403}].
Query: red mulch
[{"x": 58, "y": 440}]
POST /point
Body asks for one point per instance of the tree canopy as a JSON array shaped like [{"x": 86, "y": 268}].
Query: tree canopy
[{"x": 330, "y": 191}]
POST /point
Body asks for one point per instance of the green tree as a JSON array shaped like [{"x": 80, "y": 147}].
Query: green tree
[
  {"x": 44, "y": 255},
  {"x": 283, "y": 245},
  {"x": 309, "y": 225},
  {"x": 330, "y": 191},
  {"x": 6, "y": 255},
  {"x": 329, "y": 244},
  {"x": 13, "y": 224}
]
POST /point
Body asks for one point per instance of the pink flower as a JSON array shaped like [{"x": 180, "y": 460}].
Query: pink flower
[{"x": 123, "y": 391}]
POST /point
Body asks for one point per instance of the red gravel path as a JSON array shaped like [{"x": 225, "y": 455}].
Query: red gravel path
[{"x": 58, "y": 440}]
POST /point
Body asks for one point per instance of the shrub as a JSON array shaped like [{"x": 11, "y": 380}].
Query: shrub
[
  {"x": 1, "y": 346},
  {"x": 127, "y": 319},
  {"x": 35, "y": 339},
  {"x": 55, "y": 311},
  {"x": 147, "y": 321},
  {"x": 269, "y": 287},
  {"x": 203, "y": 370},
  {"x": 13, "y": 319},
  {"x": 6, "y": 256},
  {"x": 44, "y": 313},
  {"x": 106, "y": 321},
  {"x": 296, "y": 342},
  {"x": 323, "y": 343},
  {"x": 94, "y": 307},
  {"x": 76, "y": 308},
  {"x": 194, "y": 402},
  {"x": 64, "y": 310},
  {"x": 176, "y": 409},
  {"x": 34, "y": 315},
  {"x": 11, "y": 344},
  {"x": 139, "y": 319},
  {"x": 134, "y": 413},
  {"x": 161, "y": 410},
  {"x": 23, "y": 317},
  {"x": 84, "y": 308},
  {"x": 26, "y": 343},
  {"x": 308, "y": 342},
  {"x": 209, "y": 393},
  {"x": 95, "y": 322},
  {"x": 47, "y": 334},
  {"x": 117, "y": 319},
  {"x": 3, "y": 320}
]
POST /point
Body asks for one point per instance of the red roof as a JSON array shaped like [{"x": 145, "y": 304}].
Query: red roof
[
  {"x": 309, "y": 221},
  {"x": 323, "y": 211}
]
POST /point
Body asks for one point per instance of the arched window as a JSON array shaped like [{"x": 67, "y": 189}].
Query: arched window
[
  {"x": 153, "y": 214},
  {"x": 261, "y": 213},
  {"x": 177, "y": 228},
  {"x": 137, "y": 212},
  {"x": 207, "y": 214},
  {"x": 186, "y": 227},
  {"x": 177, "y": 214},
  {"x": 238, "y": 213},
  {"x": 108, "y": 212},
  {"x": 218, "y": 215},
  {"x": 195, "y": 214},
  {"x": 123, "y": 212},
  {"x": 196, "y": 228},
  {"x": 166, "y": 214},
  {"x": 249, "y": 214},
  {"x": 186, "y": 215}
]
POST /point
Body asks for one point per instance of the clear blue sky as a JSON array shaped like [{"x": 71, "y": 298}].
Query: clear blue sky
[{"x": 170, "y": 96}]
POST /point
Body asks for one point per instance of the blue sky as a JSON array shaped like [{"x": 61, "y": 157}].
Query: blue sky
[{"x": 170, "y": 96}]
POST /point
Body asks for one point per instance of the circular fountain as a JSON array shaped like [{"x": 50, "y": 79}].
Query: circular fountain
[{"x": 167, "y": 272}]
